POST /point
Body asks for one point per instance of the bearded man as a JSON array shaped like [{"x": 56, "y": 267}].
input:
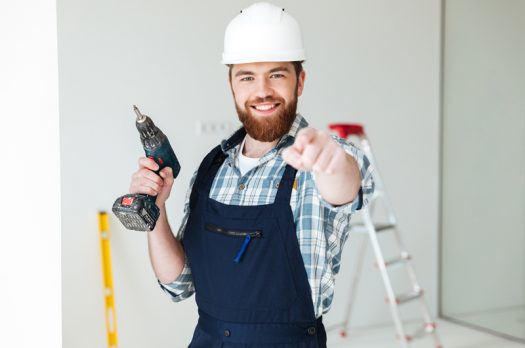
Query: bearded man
[{"x": 268, "y": 210}]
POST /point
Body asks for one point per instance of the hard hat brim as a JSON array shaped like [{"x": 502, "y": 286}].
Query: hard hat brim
[{"x": 290, "y": 56}]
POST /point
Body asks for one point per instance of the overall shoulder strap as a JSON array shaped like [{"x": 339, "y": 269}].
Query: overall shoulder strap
[
  {"x": 206, "y": 173},
  {"x": 285, "y": 185}
]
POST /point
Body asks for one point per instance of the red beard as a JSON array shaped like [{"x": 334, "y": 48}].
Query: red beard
[{"x": 268, "y": 128}]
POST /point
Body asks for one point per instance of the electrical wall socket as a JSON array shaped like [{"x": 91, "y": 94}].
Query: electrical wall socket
[{"x": 219, "y": 127}]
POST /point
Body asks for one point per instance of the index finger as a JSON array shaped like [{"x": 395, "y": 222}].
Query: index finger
[
  {"x": 304, "y": 137},
  {"x": 148, "y": 163}
]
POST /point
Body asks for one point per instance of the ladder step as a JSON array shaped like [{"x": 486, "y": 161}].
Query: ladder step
[
  {"x": 384, "y": 227},
  {"x": 397, "y": 261},
  {"x": 428, "y": 328},
  {"x": 409, "y": 296},
  {"x": 361, "y": 228}
]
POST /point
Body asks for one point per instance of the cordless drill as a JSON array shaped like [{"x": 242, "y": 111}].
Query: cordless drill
[{"x": 138, "y": 211}]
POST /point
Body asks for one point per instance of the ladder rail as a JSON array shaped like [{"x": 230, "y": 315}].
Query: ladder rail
[
  {"x": 355, "y": 280},
  {"x": 366, "y": 147},
  {"x": 386, "y": 279},
  {"x": 367, "y": 150}
]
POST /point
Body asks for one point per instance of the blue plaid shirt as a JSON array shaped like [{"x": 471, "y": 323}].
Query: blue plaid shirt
[{"x": 322, "y": 228}]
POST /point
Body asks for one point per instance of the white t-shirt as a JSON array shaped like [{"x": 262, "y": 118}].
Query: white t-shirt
[{"x": 246, "y": 163}]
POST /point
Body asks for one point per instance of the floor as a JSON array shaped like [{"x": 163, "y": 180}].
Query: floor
[
  {"x": 510, "y": 321},
  {"x": 452, "y": 336}
]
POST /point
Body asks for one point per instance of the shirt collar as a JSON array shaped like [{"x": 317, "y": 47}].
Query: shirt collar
[
  {"x": 228, "y": 145},
  {"x": 231, "y": 146}
]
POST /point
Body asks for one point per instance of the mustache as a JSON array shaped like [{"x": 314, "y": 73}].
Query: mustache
[
  {"x": 271, "y": 128},
  {"x": 259, "y": 100}
]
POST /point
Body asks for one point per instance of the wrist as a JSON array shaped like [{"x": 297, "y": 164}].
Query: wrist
[{"x": 162, "y": 207}]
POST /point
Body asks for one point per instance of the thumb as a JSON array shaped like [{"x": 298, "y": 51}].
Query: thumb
[{"x": 167, "y": 174}]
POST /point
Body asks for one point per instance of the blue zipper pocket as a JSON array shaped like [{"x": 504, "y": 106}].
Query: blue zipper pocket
[{"x": 247, "y": 235}]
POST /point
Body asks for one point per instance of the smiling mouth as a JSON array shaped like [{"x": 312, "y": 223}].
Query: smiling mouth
[{"x": 265, "y": 107}]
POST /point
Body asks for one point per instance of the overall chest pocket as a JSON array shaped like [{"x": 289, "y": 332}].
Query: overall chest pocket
[
  {"x": 245, "y": 235},
  {"x": 245, "y": 268}
]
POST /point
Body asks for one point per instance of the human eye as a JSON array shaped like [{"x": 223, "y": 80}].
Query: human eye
[
  {"x": 246, "y": 78},
  {"x": 276, "y": 76}
]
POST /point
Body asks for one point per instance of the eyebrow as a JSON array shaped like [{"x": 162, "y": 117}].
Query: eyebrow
[
  {"x": 246, "y": 72},
  {"x": 279, "y": 68},
  {"x": 243, "y": 72}
]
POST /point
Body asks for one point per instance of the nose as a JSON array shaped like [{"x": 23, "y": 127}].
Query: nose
[{"x": 264, "y": 88}]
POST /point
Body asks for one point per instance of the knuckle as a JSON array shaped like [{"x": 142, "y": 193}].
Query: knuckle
[
  {"x": 307, "y": 161},
  {"x": 150, "y": 175},
  {"x": 168, "y": 179},
  {"x": 143, "y": 161},
  {"x": 339, "y": 151},
  {"x": 147, "y": 162},
  {"x": 158, "y": 180}
]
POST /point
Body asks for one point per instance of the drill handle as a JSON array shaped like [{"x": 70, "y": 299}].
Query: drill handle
[{"x": 164, "y": 157}]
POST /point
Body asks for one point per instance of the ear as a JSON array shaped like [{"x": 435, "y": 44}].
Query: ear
[
  {"x": 300, "y": 82},
  {"x": 230, "y": 82}
]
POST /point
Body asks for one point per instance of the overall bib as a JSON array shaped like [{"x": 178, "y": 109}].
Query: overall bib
[{"x": 250, "y": 281}]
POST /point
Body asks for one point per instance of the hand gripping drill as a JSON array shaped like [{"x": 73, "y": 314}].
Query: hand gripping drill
[{"x": 138, "y": 211}]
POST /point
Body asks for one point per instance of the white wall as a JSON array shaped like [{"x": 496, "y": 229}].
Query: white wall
[
  {"x": 375, "y": 62},
  {"x": 30, "y": 296},
  {"x": 484, "y": 166}
]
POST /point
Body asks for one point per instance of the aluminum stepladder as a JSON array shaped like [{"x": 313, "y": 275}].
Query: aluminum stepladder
[{"x": 372, "y": 228}]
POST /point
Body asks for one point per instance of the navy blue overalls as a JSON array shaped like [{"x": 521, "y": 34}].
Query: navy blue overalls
[{"x": 250, "y": 281}]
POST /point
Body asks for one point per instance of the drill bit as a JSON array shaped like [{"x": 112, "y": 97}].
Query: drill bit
[{"x": 140, "y": 117}]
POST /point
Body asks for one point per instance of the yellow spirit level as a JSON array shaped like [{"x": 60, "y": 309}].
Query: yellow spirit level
[{"x": 109, "y": 300}]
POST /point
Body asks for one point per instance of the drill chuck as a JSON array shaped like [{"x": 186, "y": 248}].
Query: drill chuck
[{"x": 151, "y": 137}]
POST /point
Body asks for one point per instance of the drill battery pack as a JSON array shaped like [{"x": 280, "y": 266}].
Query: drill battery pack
[{"x": 137, "y": 212}]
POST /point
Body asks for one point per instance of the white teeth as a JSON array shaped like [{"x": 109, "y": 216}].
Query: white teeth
[{"x": 264, "y": 107}]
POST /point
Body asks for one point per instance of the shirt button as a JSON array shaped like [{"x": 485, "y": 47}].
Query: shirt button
[
  {"x": 241, "y": 187},
  {"x": 227, "y": 333},
  {"x": 277, "y": 185},
  {"x": 312, "y": 330}
]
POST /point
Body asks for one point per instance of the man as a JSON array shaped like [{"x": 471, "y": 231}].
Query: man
[{"x": 268, "y": 210}]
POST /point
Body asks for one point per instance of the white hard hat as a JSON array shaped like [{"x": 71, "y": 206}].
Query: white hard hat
[{"x": 263, "y": 33}]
